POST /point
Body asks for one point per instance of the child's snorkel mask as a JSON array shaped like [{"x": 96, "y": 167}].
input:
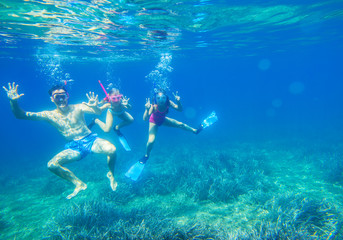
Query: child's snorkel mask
[{"x": 114, "y": 98}]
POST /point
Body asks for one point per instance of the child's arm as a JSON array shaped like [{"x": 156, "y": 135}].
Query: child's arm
[
  {"x": 125, "y": 103},
  {"x": 148, "y": 109},
  {"x": 105, "y": 106},
  {"x": 178, "y": 105}
]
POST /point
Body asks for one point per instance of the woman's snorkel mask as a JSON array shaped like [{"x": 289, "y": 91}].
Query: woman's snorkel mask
[{"x": 113, "y": 98}]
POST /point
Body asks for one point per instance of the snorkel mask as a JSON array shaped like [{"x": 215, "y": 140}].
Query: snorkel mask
[
  {"x": 113, "y": 98},
  {"x": 61, "y": 98}
]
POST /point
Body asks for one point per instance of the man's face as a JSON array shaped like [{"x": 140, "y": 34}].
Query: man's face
[{"x": 60, "y": 98}]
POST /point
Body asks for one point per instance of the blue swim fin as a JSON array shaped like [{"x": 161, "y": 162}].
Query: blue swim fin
[
  {"x": 135, "y": 171},
  {"x": 123, "y": 140},
  {"x": 211, "y": 119}
]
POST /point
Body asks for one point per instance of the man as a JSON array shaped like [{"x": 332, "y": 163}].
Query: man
[{"x": 69, "y": 121}]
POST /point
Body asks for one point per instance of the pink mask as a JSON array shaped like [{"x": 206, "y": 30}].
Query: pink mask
[{"x": 113, "y": 98}]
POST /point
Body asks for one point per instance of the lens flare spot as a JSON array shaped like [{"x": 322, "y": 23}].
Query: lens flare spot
[
  {"x": 270, "y": 112},
  {"x": 296, "y": 88},
  {"x": 277, "y": 103},
  {"x": 190, "y": 112},
  {"x": 264, "y": 64}
]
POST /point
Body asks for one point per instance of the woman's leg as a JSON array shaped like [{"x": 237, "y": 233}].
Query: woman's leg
[{"x": 169, "y": 122}]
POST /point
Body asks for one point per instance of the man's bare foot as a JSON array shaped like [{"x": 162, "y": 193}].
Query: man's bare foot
[
  {"x": 114, "y": 184},
  {"x": 79, "y": 187}
]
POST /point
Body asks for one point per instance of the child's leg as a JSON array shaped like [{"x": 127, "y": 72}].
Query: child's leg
[
  {"x": 169, "y": 122},
  {"x": 106, "y": 127},
  {"x": 152, "y": 136},
  {"x": 127, "y": 120}
]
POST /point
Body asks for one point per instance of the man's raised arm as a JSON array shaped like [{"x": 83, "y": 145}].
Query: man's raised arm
[
  {"x": 13, "y": 96},
  {"x": 92, "y": 106}
]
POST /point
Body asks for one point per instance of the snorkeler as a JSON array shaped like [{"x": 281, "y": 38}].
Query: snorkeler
[
  {"x": 156, "y": 113},
  {"x": 69, "y": 121},
  {"x": 117, "y": 105}
]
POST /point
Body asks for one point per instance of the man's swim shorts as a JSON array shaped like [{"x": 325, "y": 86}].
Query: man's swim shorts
[{"x": 83, "y": 146}]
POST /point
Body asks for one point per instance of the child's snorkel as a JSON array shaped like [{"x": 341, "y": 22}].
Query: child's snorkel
[
  {"x": 107, "y": 98},
  {"x": 113, "y": 98}
]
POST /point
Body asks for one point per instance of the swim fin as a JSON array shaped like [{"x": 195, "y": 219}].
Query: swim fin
[
  {"x": 123, "y": 140},
  {"x": 135, "y": 171},
  {"x": 211, "y": 119}
]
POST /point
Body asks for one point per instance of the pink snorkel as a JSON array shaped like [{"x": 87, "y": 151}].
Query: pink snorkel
[
  {"x": 108, "y": 98},
  {"x": 102, "y": 86}
]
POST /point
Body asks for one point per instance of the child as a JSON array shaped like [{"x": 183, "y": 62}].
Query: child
[
  {"x": 156, "y": 113},
  {"x": 117, "y": 105}
]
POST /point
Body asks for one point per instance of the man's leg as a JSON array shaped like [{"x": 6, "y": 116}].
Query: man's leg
[
  {"x": 169, "y": 122},
  {"x": 105, "y": 147},
  {"x": 55, "y": 166}
]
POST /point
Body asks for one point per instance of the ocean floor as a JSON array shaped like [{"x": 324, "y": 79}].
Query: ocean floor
[{"x": 244, "y": 190}]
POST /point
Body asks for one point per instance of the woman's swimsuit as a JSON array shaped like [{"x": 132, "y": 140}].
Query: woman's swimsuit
[{"x": 158, "y": 117}]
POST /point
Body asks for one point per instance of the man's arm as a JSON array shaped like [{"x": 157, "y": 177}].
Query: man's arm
[
  {"x": 12, "y": 94},
  {"x": 21, "y": 114},
  {"x": 92, "y": 106}
]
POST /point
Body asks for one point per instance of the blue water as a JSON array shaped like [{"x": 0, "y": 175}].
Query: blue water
[
  {"x": 268, "y": 76},
  {"x": 235, "y": 87}
]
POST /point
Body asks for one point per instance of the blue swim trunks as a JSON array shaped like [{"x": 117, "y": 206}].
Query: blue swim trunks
[{"x": 83, "y": 146}]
